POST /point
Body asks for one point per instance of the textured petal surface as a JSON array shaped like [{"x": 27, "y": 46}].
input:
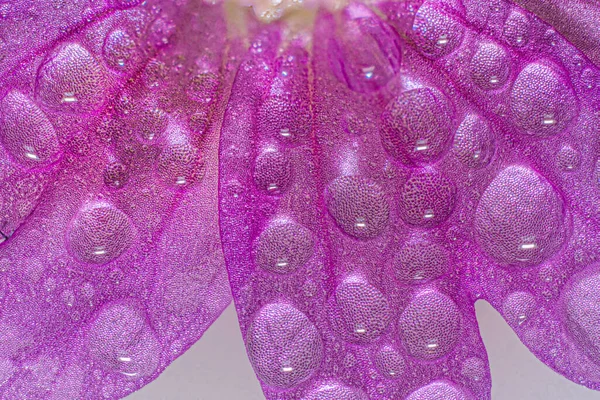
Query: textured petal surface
[
  {"x": 454, "y": 160},
  {"x": 111, "y": 264},
  {"x": 379, "y": 172}
]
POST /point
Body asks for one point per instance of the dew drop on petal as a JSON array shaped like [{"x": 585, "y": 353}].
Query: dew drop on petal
[
  {"x": 283, "y": 247},
  {"x": 284, "y": 346},
  {"x": 520, "y": 218},
  {"x": 430, "y": 325},
  {"x": 71, "y": 80},
  {"x": 25, "y": 131},
  {"x": 358, "y": 206},
  {"x": 100, "y": 233},
  {"x": 417, "y": 125}
]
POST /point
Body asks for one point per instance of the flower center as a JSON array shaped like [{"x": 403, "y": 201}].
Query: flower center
[{"x": 274, "y": 10}]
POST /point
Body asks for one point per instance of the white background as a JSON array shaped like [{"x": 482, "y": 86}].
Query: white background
[{"x": 216, "y": 368}]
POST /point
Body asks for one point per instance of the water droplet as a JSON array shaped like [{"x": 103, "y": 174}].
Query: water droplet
[
  {"x": 272, "y": 172},
  {"x": 283, "y": 345},
  {"x": 427, "y": 199},
  {"x": 525, "y": 228},
  {"x": 518, "y": 307},
  {"x": 417, "y": 125},
  {"x": 285, "y": 118},
  {"x": 120, "y": 340},
  {"x": 435, "y": 31},
  {"x": 283, "y": 247},
  {"x": 71, "y": 80},
  {"x": 490, "y": 66},
  {"x": 568, "y": 159},
  {"x": 516, "y": 29},
  {"x": 203, "y": 87},
  {"x": 473, "y": 142},
  {"x": 542, "y": 102},
  {"x": 362, "y": 312},
  {"x": 358, "y": 206},
  {"x": 180, "y": 163},
  {"x": 115, "y": 175},
  {"x": 364, "y": 53},
  {"x": 100, "y": 233},
  {"x": 25, "y": 131},
  {"x": 120, "y": 50},
  {"x": 430, "y": 325}
]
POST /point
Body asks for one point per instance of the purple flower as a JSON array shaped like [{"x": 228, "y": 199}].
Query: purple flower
[{"x": 356, "y": 176}]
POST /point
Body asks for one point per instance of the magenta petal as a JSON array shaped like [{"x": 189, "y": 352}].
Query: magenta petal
[
  {"x": 375, "y": 180},
  {"x": 111, "y": 264},
  {"x": 465, "y": 169}
]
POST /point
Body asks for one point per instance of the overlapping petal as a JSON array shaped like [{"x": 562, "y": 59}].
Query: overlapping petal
[{"x": 368, "y": 175}]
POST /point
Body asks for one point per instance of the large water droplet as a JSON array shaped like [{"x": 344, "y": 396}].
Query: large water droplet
[
  {"x": 542, "y": 102},
  {"x": 71, "y": 80},
  {"x": 358, "y": 206},
  {"x": 26, "y": 132},
  {"x": 284, "y": 346},
  {"x": 100, "y": 233},
  {"x": 417, "y": 125},
  {"x": 520, "y": 218}
]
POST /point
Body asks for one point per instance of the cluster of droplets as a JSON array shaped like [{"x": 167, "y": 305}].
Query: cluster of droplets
[
  {"x": 99, "y": 148},
  {"x": 446, "y": 199},
  {"x": 370, "y": 192}
]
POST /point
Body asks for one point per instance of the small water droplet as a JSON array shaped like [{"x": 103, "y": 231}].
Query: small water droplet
[
  {"x": 285, "y": 132},
  {"x": 360, "y": 223},
  {"x": 443, "y": 40},
  {"x": 360, "y": 329},
  {"x": 549, "y": 120},
  {"x": 368, "y": 72},
  {"x": 421, "y": 145},
  {"x": 69, "y": 97}
]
